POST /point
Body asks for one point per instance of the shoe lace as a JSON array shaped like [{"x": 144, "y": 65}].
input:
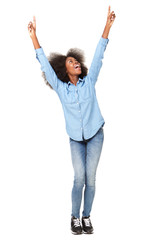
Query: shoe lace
[
  {"x": 87, "y": 222},
  {"x": 76, "y": 222}
]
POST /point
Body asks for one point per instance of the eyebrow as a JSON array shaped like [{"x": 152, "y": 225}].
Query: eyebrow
[{"x": 71, "y": 59}]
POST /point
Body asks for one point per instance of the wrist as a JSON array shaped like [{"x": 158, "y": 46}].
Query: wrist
[
  {"x": 33, "y": 36},
  {"x": 106, "y": 31}
]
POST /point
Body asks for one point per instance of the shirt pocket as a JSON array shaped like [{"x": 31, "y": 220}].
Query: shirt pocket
[
  {"x": 85, "y": 92},
  {"x": 69, "y": 97}
]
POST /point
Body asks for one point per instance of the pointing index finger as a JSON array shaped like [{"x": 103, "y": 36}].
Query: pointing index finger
[
  {"x": 109, "y": 10},
  {"x": 34, "y": 21}
]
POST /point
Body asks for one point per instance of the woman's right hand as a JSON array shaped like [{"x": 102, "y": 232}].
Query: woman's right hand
[
  {"x": 32, "y": 33},
  {"x": 32, "y": 28}
]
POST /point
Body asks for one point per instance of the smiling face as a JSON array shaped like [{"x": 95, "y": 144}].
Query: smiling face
[{"x": 73, "y": 67}]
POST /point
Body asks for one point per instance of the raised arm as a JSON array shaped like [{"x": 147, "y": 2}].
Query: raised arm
[
  {"x": 46, "y": 68},
  {"x": 101, "y": 47}
]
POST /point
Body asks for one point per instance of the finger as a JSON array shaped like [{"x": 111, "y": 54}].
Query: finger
[
  {"x": 109, "y": 10},
  {"x": 34, "y": 21},
  {"x": 112, "y": 13},
  {"x": 113, "y": 18},
  {"x": 30, "y": 24},
  {"x": 29, "y": 28}
]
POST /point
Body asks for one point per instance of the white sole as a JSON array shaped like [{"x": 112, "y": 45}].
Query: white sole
[
  {"x": 76, "y": 233},
  {"x": 88, "y": 232}
]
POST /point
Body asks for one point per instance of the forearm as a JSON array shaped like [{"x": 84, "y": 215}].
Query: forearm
[
  {"x": 35, "y": 41},
  {"x": 106, "y": 31}
]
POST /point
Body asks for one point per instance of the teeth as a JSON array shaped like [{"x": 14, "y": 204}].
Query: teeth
[{"x": 76, "y": 66}]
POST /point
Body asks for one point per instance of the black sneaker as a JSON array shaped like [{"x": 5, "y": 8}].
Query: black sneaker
[
  {"x": 87, "y": 225},
  {"x": 76, "y": 227}
]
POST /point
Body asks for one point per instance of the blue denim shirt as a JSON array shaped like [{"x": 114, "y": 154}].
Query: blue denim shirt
[{"x": 82, "y": 114}]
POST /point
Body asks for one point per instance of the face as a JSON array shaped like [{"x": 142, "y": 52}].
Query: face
[{"x": 73, "y": 67}]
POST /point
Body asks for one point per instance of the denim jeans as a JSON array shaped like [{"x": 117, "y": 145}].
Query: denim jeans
[{"x": 85, "y": 157}]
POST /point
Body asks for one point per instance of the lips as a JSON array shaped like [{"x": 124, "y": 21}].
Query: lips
[{"x": 77, "y": 66}]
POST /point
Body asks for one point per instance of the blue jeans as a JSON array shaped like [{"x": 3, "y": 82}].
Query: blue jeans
[{"x": 85, "y": 157}]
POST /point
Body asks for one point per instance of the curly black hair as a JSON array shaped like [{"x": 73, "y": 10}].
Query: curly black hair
[{"x": 57, "y": 61}]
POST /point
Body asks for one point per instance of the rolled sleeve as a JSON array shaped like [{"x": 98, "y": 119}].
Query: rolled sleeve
[
  {"x": 50, "y": 74},
  {"x": 97, "y": 59}
]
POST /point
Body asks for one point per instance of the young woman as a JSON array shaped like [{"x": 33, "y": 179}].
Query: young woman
[{"x": 68, "y": 77}]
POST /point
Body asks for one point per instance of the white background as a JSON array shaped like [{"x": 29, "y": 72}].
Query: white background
[{"x": 36, "y": 173}]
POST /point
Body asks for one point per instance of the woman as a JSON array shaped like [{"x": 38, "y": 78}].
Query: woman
[{"x": 67, "y": 75}]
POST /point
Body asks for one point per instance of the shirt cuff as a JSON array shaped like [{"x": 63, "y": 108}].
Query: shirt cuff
[
  {"x": 104, "y": 41},
  {"x": 39, "y": 51}
]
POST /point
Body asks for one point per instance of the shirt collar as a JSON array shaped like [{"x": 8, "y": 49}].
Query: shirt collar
[{"x": 80, "y": 79}]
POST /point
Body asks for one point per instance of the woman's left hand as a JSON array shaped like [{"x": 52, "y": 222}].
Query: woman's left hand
[{"x": 110, "y": 17}]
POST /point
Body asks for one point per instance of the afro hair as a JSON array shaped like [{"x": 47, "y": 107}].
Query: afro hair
[{"x": 57, "y": 62}]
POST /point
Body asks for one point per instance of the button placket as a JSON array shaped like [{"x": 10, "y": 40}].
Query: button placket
[{"x": 79, "y": 107}]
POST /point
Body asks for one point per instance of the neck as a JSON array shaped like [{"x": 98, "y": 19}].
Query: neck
[{"x": 73, "y": 79}]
